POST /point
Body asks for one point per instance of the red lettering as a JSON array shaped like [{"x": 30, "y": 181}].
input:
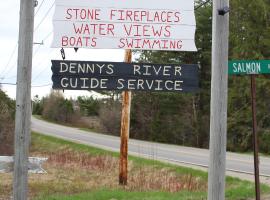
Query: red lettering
[
  {"x": 156, "y": 17},
  {"x": 169, "y": 16},
  {"x": 64, "y": 41},
  {"x": 83, "y": 14},
  {"x": 143, "y": 14},
  {"x": 94, "y": 42},
  {"x": 146, "y": 42},
  {"x": 112, "y": 14},
  {"x": 68, "y": 13},
  {"x": 78, "y": 30},
  {"x": 157, "y": 32},
  {"x": 79, "y": 42},
  {"x": 177, "y": 16},
  {"x": 128, "y": 32},
  {"x": 129, "y": 15},
  {"x": 137, "y": 33},
  {"x": 146, "y": 30},
  {"x": 167, "y": 31},
  {"x": 122, "y": 43},
  {"x": 121, "y": 15},
  {"x": 163, "y": 16},
  {"x": 76, "y": 13},
  {"x": 110, "y": 29},
  {"x": 137, "y": 16}
]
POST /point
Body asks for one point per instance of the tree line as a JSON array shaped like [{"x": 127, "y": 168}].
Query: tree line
[{"x": 183, "y": 118}]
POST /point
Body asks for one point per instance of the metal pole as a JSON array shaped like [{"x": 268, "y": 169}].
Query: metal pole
[
  {"x": 255, "y": 136},
  {"x": 219, "y": 93},
  {"x": 23, "y": 100},
  {"x": 125, "y": 120}
]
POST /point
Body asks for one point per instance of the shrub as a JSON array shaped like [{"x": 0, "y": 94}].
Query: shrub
[
  {"x": 57, "y": 108},
  {"x": 7, "y": 114}
]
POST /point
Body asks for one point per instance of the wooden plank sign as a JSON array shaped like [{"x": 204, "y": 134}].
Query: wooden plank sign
[
  {"x": 87, "y": 75},
  {"x": 138, "y": 24}
]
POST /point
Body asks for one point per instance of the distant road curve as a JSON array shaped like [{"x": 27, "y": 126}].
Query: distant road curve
[{"x": 237, "y": 165}]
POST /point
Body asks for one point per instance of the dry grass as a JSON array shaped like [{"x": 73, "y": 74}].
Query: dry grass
[
  {"x": 74, "y": 168},
  {"x": 71, "y": 172}
]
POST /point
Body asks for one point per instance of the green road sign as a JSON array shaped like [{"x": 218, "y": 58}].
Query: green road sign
[{"x": 249, "y": 67}]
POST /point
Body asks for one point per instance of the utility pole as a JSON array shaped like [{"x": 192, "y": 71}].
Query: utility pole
[
  {"x": 125, "y": 123},
  {"x": 23, "y": 100},
  {"x": 219, "y": 94}
]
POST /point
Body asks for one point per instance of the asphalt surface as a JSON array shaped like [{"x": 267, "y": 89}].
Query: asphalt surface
[{"x": 238, "y": 165}]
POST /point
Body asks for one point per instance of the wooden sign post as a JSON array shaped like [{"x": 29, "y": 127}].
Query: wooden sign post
[
  {"x": 255, "y": 137},
  {"x": 125, "y": 123},
  {"x": 142, "y": 25}
]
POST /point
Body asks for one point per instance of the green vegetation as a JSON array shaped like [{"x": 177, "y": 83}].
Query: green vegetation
[
  {"x": 123, "y": 195},
  {"x": 184, "y": 118},
  {"x": 77, "y": 171},
  {"x": 7, "y": 115}
]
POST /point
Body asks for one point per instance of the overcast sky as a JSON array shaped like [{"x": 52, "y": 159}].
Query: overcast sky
[{"x": 42, "y": 54}]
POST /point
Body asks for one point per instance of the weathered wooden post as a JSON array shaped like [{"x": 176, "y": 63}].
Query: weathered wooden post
[
  {"x": 125, "y": 123},
  {"x": 219, "y": 93},
  {"x": 23, "y": 100}
]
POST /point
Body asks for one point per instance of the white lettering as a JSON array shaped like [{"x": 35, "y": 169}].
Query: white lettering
[
  {"x": 63, "y": 67},
  {"x": 120, "y": 81}
]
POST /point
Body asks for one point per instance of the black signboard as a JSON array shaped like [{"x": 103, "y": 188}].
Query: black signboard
[{"x": 88, "y": 75}]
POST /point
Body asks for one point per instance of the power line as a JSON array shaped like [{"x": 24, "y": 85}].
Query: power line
[
  {"x": 45, "y": 85},
  {"x": 46, "y": 15},
  {"x": 10, "y": 58},
  {"x": 8, "y": 83},
  {"x": 39, "y": 7},
  {"x": 44, "y": 39},
  {"x": 42, "y": 85},
  {"x": 43, "y": 69},
  {"x": 202, "y": 4},
  {"x": 36, "y": 51}
]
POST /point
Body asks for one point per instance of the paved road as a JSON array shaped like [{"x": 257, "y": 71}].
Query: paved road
[{"x": 237, "y": 164}]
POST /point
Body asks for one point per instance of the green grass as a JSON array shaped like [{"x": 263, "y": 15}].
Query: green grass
[
  {"x": 123, "y": 195},
  {"x": 236, "y": 189}
]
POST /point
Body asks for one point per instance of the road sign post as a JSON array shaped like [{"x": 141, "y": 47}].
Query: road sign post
[
  {"x": 252, "y": 68},
  {"x": 255, "y": 136}
]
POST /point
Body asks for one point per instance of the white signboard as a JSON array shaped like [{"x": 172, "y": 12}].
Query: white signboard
[{"x": 121, "y": 24}]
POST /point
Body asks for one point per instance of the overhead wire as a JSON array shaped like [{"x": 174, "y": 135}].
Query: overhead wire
[
  {"x": 39, "y": 7},
  {"x": 10, "y": 67},
  {"x": 44, "y": 39},
  {"x": 202, "y": 4},
  {"x": 46, "y": 15},
  {"x": 42, "y": 70},
  {"x": 45, "y": 85},
  {"x": 9, "y": 60}
]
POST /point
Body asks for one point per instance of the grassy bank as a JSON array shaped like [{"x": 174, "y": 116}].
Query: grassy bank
[{"x": 79, "y": 172}]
